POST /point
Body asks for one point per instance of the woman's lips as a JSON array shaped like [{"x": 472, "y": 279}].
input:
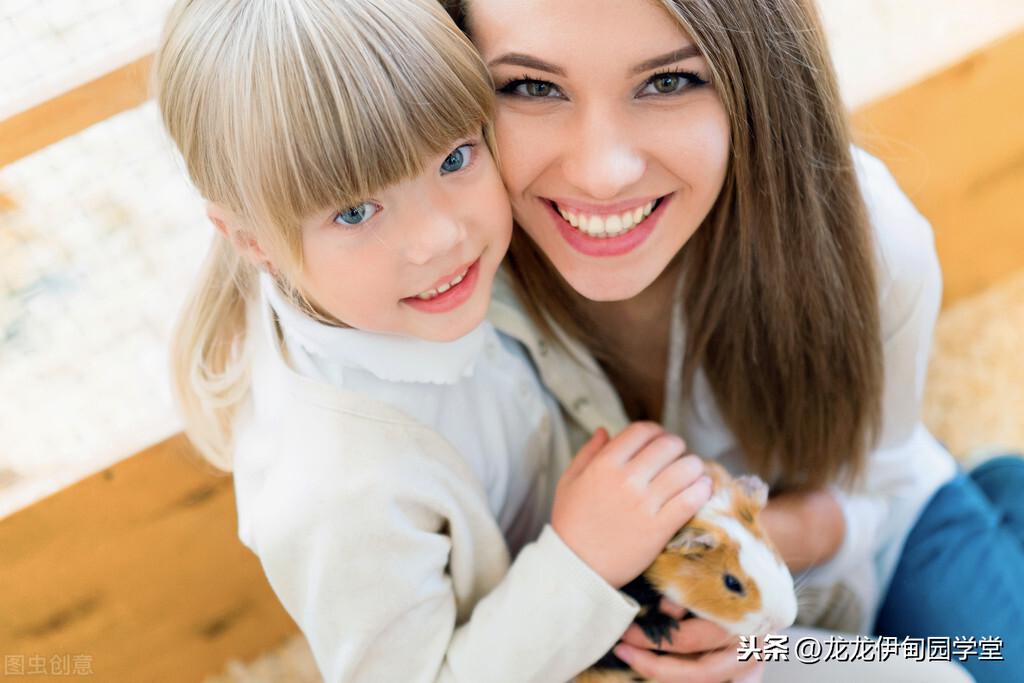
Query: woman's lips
[
  {"x": 451, "y": 299},
  {"x": 607, "y": 246}
]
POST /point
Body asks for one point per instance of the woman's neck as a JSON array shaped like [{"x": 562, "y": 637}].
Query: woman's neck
[{"x": 636, "y": 331}]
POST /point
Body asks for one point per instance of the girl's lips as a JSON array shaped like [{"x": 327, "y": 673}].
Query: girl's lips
[
  {"x": 451, "y": 276},
  {"x": 607, "y": 246},
  {"x": 451, "y": 299}
]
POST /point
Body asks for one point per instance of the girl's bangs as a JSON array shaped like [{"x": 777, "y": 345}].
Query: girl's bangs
[{"x": 363, "y": 99}]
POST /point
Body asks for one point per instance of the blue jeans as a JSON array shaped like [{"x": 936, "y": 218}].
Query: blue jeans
[{"x": 962, "y": 569}]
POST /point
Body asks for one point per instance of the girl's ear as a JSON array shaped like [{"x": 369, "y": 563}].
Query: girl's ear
[{"x": 234, "y": 230}]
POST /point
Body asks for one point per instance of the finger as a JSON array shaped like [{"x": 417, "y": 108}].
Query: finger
[
  {"x": 656, "y": 456},
  {"x": 713, "y": 667},
  {"x": 755, "y": 676},
  {"x": 591, "y": 448},
  {"x": 636, "y": 637},
  {"x": 675, "y": 478},
  {"x": 680, "y": 508},
  {"x": 693, "y": 636},
  {"x": 672, "y": 609},
  {"x": 633, "y": 438}
]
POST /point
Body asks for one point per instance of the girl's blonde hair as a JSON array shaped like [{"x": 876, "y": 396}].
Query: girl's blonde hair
[
  {"x": 780, "y": 292},
  {"x": 282, "y": 108}
]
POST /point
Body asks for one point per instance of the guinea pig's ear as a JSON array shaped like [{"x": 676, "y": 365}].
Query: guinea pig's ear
[
  {"x": 753, "y": 488},
  {"x": 692, "y": 540}
]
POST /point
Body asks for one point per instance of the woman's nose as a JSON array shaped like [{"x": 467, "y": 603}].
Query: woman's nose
[{"x": 602, "y": 159}]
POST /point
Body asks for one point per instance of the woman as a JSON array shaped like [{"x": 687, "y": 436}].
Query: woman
[{"x": 697, "y": 231}]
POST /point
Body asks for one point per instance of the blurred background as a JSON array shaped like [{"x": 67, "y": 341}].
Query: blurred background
[{"x": 100, "y": 235}]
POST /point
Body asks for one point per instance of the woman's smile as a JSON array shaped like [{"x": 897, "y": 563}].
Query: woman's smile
[{"x": 607, "y": 234}]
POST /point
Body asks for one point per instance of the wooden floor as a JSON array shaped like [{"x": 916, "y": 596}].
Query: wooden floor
[
  {"x": 139, "y": 567},
  {"x": 75, "y": 110},
  {"x": 956, "y": 144}
]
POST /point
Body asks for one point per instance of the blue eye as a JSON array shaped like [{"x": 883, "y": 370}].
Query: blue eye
[
  {"x": 354, "y": 215},
  {"x": 457, "y": 160}
]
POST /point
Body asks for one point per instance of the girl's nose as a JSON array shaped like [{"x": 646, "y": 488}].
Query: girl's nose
[
  {"x": 602, "y": 160},
  {"x": 437, "y": 232}
]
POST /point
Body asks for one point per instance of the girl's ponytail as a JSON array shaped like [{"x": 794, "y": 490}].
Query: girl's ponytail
[{"x": 209, "y": 368}]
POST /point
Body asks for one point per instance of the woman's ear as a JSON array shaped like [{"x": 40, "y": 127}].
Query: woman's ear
[{"x": 236, "y": 232}]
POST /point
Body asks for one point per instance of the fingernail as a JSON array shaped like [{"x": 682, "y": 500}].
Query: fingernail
[{"x": 623, "y": 652}]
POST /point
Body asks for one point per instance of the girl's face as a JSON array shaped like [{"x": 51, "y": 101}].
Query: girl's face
[
  {"x": 613, "y": 144},
  {"x": 419, "y": 258}
]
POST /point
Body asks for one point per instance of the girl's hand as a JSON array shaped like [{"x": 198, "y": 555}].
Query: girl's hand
[
  {"x": 620, "y": 501},
  {"x": 699, "y": 652}
]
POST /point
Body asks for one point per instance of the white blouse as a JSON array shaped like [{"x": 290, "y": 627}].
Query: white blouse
[
  {"x": 903, "y": 472},
  {"x": 479, "y": 392},
  {"x": 396, "y": 493}
]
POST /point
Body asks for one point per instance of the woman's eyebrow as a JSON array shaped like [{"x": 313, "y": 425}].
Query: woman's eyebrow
[
  {"x": 667, "y": 58},
  {"x": 519, "y": 59}
]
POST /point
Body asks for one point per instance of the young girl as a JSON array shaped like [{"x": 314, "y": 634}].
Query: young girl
[
  {"x": 697, "y": 227},
  {"x": 395, "y": 458}
]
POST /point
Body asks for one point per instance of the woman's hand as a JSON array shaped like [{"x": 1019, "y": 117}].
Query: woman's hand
[
  {"x": 806, "y": 527},
  {"x": 699, "y": 652},
  {"x": 621, "y": 500}
]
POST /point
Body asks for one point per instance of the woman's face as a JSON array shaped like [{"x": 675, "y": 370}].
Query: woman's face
[{"x": 613, "y": 144}]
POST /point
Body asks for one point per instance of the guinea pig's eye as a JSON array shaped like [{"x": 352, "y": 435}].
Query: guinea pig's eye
[{"x": 733, "y": 584}]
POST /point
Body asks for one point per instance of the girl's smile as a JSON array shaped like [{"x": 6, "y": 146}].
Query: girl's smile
[{"x": 449, "y": 293}]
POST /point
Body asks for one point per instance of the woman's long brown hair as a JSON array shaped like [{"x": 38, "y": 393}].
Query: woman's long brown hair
[{"x": 780, "y": 294}]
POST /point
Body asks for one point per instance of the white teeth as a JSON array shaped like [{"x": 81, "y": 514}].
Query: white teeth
[
  {"x": 570, "y": 218},
  {"x": 431, "y": 293},
  {"x": 607, "y": 226}
]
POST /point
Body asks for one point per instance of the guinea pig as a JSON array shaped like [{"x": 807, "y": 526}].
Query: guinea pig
[{"x": 721, "y": 566}]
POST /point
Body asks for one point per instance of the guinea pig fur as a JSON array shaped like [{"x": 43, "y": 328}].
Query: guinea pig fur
[{"x": 720, "y": 566}]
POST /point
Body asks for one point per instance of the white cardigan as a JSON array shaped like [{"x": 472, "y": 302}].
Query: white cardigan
[
  {"x": 376, "y": 534},
  {"x": 843, "y": 594},
  {"x": 379, "y": 539}
]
